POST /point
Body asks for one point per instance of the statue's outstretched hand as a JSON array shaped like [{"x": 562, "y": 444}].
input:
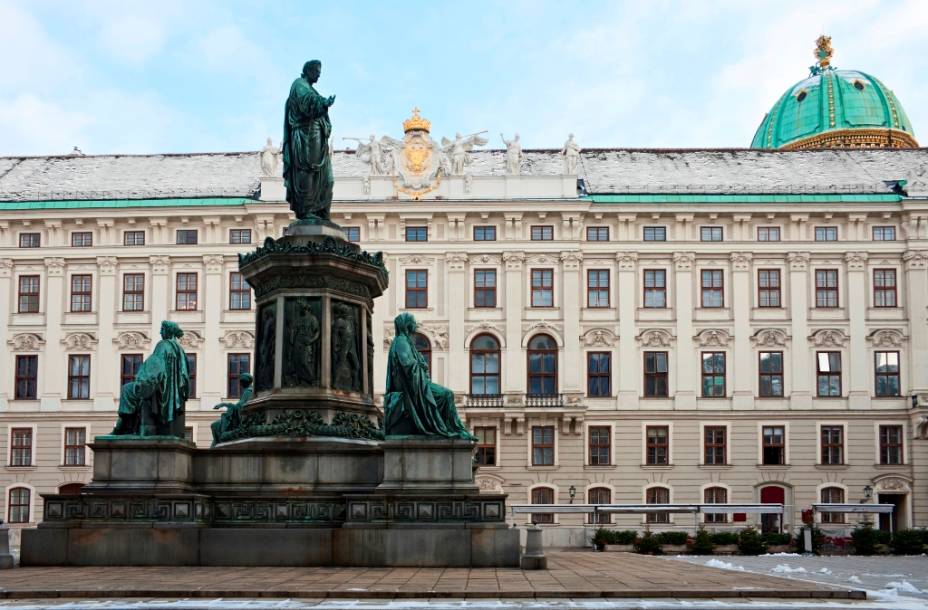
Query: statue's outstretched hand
[{"x": 330, "y": 100}]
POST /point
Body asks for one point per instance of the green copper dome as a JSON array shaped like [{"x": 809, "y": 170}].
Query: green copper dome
[{"x": 835, "y": 109}]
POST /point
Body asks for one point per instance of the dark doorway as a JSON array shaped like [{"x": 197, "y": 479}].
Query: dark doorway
[
  {"x": 887, "y": 524},
  {"x": 772, "y": 494}
]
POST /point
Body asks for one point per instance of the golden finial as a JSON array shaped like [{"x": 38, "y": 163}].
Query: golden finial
[
  {"x": 823, "y": 51},
  {"x": 416, "y": 122}
]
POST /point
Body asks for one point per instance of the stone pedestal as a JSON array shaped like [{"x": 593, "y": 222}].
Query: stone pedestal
[{"x": 424, "y": 466}]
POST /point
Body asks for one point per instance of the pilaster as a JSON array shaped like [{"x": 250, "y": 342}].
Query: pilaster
[
  {"x": 457, "y": 307},
  {"x": 799, "y": 356},
  {"x": 107, "y": 363},
  {"x": 686, "y": 365},
  {"x": 214, "y": 363},
  {"x": 160, "y": 297},
  {"x": 570, "y": 307},
  {"x": 55, "y": 362},
  {"x": 861, "y": 362},
  {"x": 743, "y": 367},
  {"x": 6, "y": 300},
  {"x": 514, "y": 369},
  {"x": 916, "y": 281},
  {"x": 627, "y": 372}
]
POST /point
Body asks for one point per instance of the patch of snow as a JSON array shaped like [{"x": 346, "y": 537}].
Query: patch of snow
[
  {"x": 854, "y": 579},
  {"x": 783, "y": 568},
  {"x": 780, "y": 555},
  {"x": 724, "y": 565},
  {"x": 904, "y": 586},
  {"x": 824, "y": 571}
]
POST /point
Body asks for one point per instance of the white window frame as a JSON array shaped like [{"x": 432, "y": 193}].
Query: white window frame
[
  {"x": 760, "y": 443},
  {"x": 818, "y": 441},
  {"x": 88, "y": 456},
  {"x": 9, "y": 444},
  {"x": 542, "y": 422},
  {"x": 644, "y": 443},
  {"x": 702, "y": 442},
  {"x": 586, "y": 445}
]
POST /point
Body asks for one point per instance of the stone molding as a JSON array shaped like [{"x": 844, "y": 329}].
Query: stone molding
[
  {"x": 79, "y": 341},
  {"x": 887, "y": 337},
  {"x": 770, "y": 337},
  {"x": 713, "y": 337},
  {"x": 599, "y": 337},
  {"x": 160, "y": 265},
  {"x": 238, "y": 339},
  {"x": 627, "y": 261},
  {"x": 214, "y": 263},
  {"x": 6, "y": 267},
  {"x": 429, "y": 510},
  {"x": 436, "y": 333},
  {"x": 416, "y": 259},
  {"x": 741, "y": 261},
  {"x": 684, "y": 261},
  {"x": 488, "y": 327},
  {"x": 553, "y": 329},
  {"x": 132, "y": 339},
  {"x": 107, "y": 265},
  {"x": 655, "y": 337},
  {"x": 829, "y": 337},
  {"x": 457, "y": 261},
  {"x": 915, "y": 259},
  {"x": 55, "y": 266},
  {"x": 485, "y": 259},
  {"x": 798, "y": 261},
  {"x": 543, "y": 259},
  {"x": 571, "y": 260},
  {"x": 191, "y": 340},
  {"x": 27, "y": 342},
  {"x": 513, "y": 260},
  {"x": 856, "y": 261},
  {"x": 892, "y": 482},
  {"x": 489, "y": 484}
]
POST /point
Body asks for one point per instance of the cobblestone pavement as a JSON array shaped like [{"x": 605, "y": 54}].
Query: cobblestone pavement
[{"x": 570, "y": 575}]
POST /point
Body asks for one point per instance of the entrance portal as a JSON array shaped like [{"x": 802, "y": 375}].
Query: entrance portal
[
  {"x": 898, "y": 502},
  {"x": 772, "y": 494}
]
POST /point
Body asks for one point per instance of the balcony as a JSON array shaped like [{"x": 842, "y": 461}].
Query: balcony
[
  {"x": 484, "y": 400},
  {"x": 544, "y": 400},
  {"x": 498, "y": 401}
]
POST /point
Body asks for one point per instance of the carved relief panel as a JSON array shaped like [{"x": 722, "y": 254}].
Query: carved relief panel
[{"x": 301, "y": 342}]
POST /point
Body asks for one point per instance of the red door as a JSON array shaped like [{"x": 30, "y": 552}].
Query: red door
[{"x": 772, "y": 494}]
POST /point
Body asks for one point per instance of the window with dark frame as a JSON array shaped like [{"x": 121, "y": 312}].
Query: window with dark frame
[
  {"x": 832, "y": 445},
  {"x": 599, "y": 495},
  {"x": 713, "y": 374},
  {"x": 542, "y": 445},
  {"x": 485, "y": 233},
  {"x": 768, "y": 233},
  {"x": 417, "y": 289},
  {"x": 826, "y": 288},
  {"x": 542, "y": 495},
  {"x": 542, "y": 366},
  {"x": 19, "y": 505},
  {"x": 597, "y": 288},
  {"x": 710, "y": 234},
  {"x": 186, "y": 237},
  {"x": 30, "y": 240},
  {"x": 188, "y": 434},
  {"x": 655, "y": 375},
  {"x": 81, "y": 293},
  {"x": 192, "y": 374},
  {"x": 26, "y": 382},
  {"x": 773, "y": 445},
  {"x": 133, "y": 292},
  {"x": 186, "y": 293},
  {"x": 654, "y": 234},
  {"x": 74, "y": 443},
  {"x": 828, "y": 374},
  {"x": 28, "y": 297},
  {"x": 352, "y": 234},
  {"x": 129, "y": 365},
  {"x": 884, "y": 233},
  {"x": 770, "y": 374},
  {"x": 239, "y": 292},
  {"x": 826, "y": 233},
  {"x": 891, "y": 445},
  {"x": 715, "y": 449},
  {"x": 832, "y": 495},
  {"x": 655, "y": 288},
  {"x": 712, "y": 284},
  {"x": 597, "y": 233},
  {"x": 599, "y": 374},
  {"x": 715, "y": 495},
  {"x": 768, "y": 288},
  {"x": 542, "y": 232},
  {"x": 886, "y": 371},
  {"x": 484, "y": 287},
  {"x": 657, "y": 446},
  {"x": 657, "y": 495},
  {"x": 21, "y": 447},
  {"x": 485, "y": 366},
  {"x": 884, "y": 288},
  {"x": 239, "y": 236},
  {"x": 542, "y": 287},
  {"x": 417, "y": 233},
  {"x": 81, "y": 239},
  {"x": 486, "y": 445},
  {"x": 133, "y": 238},
  {"x": 79, "y": 377},
  {"x": 600, "y": 445},
  {"x": 237, "y": 364}
]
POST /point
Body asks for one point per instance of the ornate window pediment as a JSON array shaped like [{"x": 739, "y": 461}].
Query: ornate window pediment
[
  {"x": 132, "y": 340},
  {"x": 713, "y": 337},
  {"x": 436, "y": 333},
  {"x": 886, "y": 337},
  {"x": 599, "y": 337},
  {"x": 655, "y": 337},
  {"x": 79, "y": 341},
  {"x": 238, "y": 339},
  {"x": 770, "y": 337},
  {"x": 829, "y": 337},
  {"x": 191, "y": 339},
  {"x": 27, "y": 342}
]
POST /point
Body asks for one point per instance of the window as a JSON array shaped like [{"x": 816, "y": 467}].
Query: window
[
  {"x": 188, "y": 434},
  {"x": 484, "y": 287},
  {"x": 542, "y": 232},
  {"x": 832, "y": 495},
  {"x": 599, "y": 374},
  {"x": 30, "y": 240},
  {"x": 599, "y": 495},
  {"x": 768, "y": 233},
  {"x": 21, "y": 447},
  {"x": 74, "y": 453},
  {"x": 826, "y": 233},
  {"x": 542, "y": 495},
  {"x": 887, "y": 374},
  {"x": 238, "y": 364},
  {"x": 713, "y": 374},
  {"x": 79, "y": 377},
  {"x": 600, "y": 438},
  {"x": 826, "y": 288},
  {"x": 20, "y": 501},
  {"x": 542, "y": 288},
  {"x": 828, "y": 374},
  {"x": 770, "y": 371},
  {"x": 710, "y": 233},
  {"x": 133, "y": 292},
  {"x": 657, "y": 446},
  {"x": 832, "y": 444},
  {"x": 891, "y": 445},
  {"x": 715, "y": 445},
  {"x": 186, "y": 292},
  {"x": 486, "y": 445},
  {"x": 417, "y": 233},
  {"x": 715, "y": 495},
  {"x": 654, "y": 233},
  {"x": 187, "y": 237},
  {"x": 884, "y": 233},
  {"x": 597, "y": 288},
  {"x": 27, "y": 376},
  {"x": 81, "y": 293},
  {"x": 655, "y": 288},
  {"x": 542, "y": 366},
  {"x": 712, "y": 290},
  {"x": 81, "y": 239},
  {"x": 70, "y": 489},
  {"x": 192, "y": 373},
  {"x": 133, "y": 238},
  {"x": 239, "y": 292},
  {"x": 485, "y": 233},
  {"x": 768, "y": 288},
  {"x": 542, "y": 445},
  {"x": 239, "y": 236},
  {"x": 484, "y": 366},
  {"x": 28, "y": 294},
  {"x": 352, "y": 234},
  {"x": 417, "y": 289},
  {"x": 773, "y": 445},
  {"x": 424, "y": 347},
  {"x": 655, "y": 374},
  {"x": 129, "y": 367},
  {"x": 657, "y": 495},
  {"x": 884, "y": 287},
  {"x": 597, "y": 233}
]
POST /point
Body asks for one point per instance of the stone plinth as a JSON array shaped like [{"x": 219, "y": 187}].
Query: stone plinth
[
  {"x": 142, "y": 465},
  {"x": 417, "y": 465}
]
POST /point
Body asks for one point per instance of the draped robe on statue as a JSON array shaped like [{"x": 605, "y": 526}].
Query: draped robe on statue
[
  {"x": 413, "y": 404},
  {"x": 307, "y": 163}
]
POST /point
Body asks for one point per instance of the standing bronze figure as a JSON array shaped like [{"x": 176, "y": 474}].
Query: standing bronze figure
[{"x": 307, "y": 158}]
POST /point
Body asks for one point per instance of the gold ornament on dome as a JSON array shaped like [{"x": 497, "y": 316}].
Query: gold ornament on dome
[{"x": 823, "y": 51}]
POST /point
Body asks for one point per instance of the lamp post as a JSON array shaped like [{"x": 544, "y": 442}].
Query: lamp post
[
  {"x": 868, "y": 495},
  {"x": 572, "y": 492}
]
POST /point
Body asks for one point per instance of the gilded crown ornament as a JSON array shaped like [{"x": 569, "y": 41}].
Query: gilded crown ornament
[
  {"x": 416, "y": 123},
  {"x": 823, "y": 51}
]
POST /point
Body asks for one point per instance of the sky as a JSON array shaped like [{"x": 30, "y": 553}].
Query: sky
[{"x": 170, "y": 76}]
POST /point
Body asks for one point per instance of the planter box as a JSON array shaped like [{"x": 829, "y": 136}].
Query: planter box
[
  {"x": 881, "y": 549},
  {"x": 725, "y": 549},
  {"x": 619, "y": 548},
  {"x": 780, "y": 548},
  {"x": 673, "y": 548}
]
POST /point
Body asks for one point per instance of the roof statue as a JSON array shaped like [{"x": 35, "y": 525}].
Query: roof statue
[
  {"x": 823, "y": 53},
  {"x": 571, "y": 152},
  {"x": 373, "y": 152},
  {"x": 513, "y": 155},
  {"x": 457, "y": 150},
  {"x": 270, "y": 158}
]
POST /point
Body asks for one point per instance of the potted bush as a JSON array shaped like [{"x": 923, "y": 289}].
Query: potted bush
[
  {"x": 750, "y": 542},
  {"x": 672, "y": 542},
  {"x": 725, "y": 543},
  {"x": 778, "y": 542},
  {"x": 622, "y": 541},
  {"x": 865, "y": 539},
  {"x": 907, "y": 542},
  {"x": 648, "y": 544},
  {"x": 702, "y": 543}
]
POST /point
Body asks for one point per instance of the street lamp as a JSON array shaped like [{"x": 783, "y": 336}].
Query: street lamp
[
  {"x": 572, "y": 492},
  {"x": 868, "y": 492}
]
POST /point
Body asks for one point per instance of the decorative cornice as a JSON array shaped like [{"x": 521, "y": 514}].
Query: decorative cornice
[
  {"x": 713, "y": 337},
  {"x": 191, "y": 339},
  {"x": 798, "y": 261},
  {"x": 456, "y": 261},
  {"x": 829, "y": 337},
  {"x": 886, "y": 337},
  {"x": 599, "y": 337},
  {"x": 27, "y": 342},
  {"x": 856, "y": 261},
  {"x": 542, "y": 259},
  {"x": 55, "y": 266},
  {"x": 741, "y": 261},
  {"x": 416, "y": 259},
  {"x": 485, "y": 259},
  {"x": 915, "y": 259},
  {"x": 683, "y": 261},
  {"x": 79, "y": 341},
  {"x": 437, "y": 334},
  {"x": 514, "y": 260},
  {"x": 6, "y": 267},
  {"x": 655, "y": 337},
  {"x": 238, "y": 339},
  {"x": 770, "y": 337},
  {"x": 159, "y": 264},
  {"x": 107, "y": 264},
  {"x": 132, "y": 339},
  {"x": 214, "y": 263},
  {"x": 627, "y": 261},
  {"x": 571, "y": 260}
]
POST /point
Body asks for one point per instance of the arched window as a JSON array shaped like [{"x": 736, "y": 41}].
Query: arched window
[
  {"x": 715, "y": 495},
  {"x": 657, "y": 495},
  {"x": 542, "y": 366},
  {"x": 424, "y": 347},
  {"x": 600, "y": 495},
  {"x": 71, "y": 489},
  {"x": 19, "y": 505},
  {"x": 832, "y": 495},
  {"x": 542, "y": 495},
  {"x": 484, "y": 366}
]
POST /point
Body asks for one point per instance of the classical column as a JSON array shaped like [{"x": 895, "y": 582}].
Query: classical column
[
  {"x": 107, "y": 358},
  {"x": 6, "y": 364},
  {"x": 861, "y": 361},
  {"x": 571, "y": 301},
  {"x": 741, "y": 361},
  {"x": 160, "y": 297},
  {"x": 212, "y": 295},
  {"x": 686, "y": 364},
  {"x": 801, "y": 374},
  {"x": 457, "y": 308},
  {"x": 916, "y": 291},
  {"x": 514, "y": 358},
  {"x": 54, "y": 360},
  {"x": 628, "y": 366}
]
